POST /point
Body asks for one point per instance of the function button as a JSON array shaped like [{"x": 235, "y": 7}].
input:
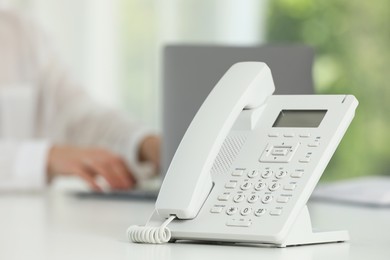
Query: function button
[
  {"x": 266, "y": 174},
  {"x": 253, "y": 173},
  {"x": 315, "y": 144},
  {"x": 267, "y": 199},
  {"x": 304, "y": 135},
  {"x": 282, "y": 199},
  {"x": 231, "y": 185},
  {"x": 304, "y": 160},
  {"x": 279, "y": 151},
  {"x": 274, "y": 186},
  {"x": 245, "y": 211},
  {"x": 238, "y": 223},
  {"x": 276, "y": 212},
  {"x": 238, "y": 198},
  {"x": 289, "y": 186},
  {"x": 273, "y": 135},
  {"x": 289, "y": 135},
  {"x": 237, "y": 172},
  {"x": 259, "y": 186},
  {"x": 223, "y": 197},
  {"x": 296, "y": 174},
  {"x": 231, "y": 210},
  {"x": 253, "y": 198},
  {"x": 216, "y": 209},
  {"x": 246, "y": 185},
  {"x": 259, "y": 212},
  {"x": 281, "y": 174}
]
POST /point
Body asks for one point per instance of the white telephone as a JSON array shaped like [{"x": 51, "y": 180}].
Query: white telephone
[{"x": 248, "y": 163}]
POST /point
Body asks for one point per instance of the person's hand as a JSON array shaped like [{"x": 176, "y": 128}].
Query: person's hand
[
  {"x": 149, "y": 151},
  {"x": 88, "y": 164}
]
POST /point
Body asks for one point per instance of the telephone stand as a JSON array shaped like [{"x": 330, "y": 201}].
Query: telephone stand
[{"x": 301, "y": 233}]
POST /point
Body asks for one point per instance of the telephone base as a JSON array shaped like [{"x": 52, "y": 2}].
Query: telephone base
[{"x": 301, "y": 233}]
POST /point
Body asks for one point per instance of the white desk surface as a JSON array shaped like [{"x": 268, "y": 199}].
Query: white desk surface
[{"x": 55, "y": 225}]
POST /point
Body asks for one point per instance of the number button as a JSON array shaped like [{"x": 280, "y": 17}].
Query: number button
[
  {"x": 238, "y": 198},
  {"x": 245, "y": 211},
  {"x": 231, "y": 211},
  {"x": 246, "y": 185},
  {"x": 280, "y": 174},
  {"x": 267, "y": 199},
  {"x": 259, "y": 186},
  {"x": 274, "y": 186},
  {"x": 253, "y": 173},
  {"x": 253, "y": 198},
  {"x": 266, "y": 174},
  {"x": 259, "y": 212}
]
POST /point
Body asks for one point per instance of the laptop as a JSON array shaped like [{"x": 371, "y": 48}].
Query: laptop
[{"x": 189, "y": 73}]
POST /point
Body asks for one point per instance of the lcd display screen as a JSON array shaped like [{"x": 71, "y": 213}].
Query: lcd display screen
[{"x": 299, "y": 118}]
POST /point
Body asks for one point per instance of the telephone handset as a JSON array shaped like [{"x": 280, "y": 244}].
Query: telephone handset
[
  {"x": 248, "y": 163},
  {"x": 244, "y": 86}
]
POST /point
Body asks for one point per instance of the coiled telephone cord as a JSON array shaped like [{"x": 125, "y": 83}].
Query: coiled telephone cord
[{"x": 151, "y": 235}]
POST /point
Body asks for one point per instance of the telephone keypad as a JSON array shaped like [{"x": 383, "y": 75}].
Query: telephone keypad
[{"x": 258, "y": 192}]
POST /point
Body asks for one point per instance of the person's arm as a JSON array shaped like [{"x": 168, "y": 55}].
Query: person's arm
[
  {"x": 80, "y": 127},
  {"x": 83, "y": 138}
]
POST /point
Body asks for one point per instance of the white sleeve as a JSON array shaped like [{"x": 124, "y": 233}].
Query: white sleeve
[{"x": 23, "y": 165}]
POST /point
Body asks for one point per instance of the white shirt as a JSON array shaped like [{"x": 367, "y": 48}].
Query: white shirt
[{"x": 40, "y": 106}]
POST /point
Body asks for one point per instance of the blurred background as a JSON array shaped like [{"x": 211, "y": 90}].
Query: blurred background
[{"x": 113, "y": 47}]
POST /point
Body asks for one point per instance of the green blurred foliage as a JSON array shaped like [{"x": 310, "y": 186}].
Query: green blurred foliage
[{"x": 352, "y": 43}]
